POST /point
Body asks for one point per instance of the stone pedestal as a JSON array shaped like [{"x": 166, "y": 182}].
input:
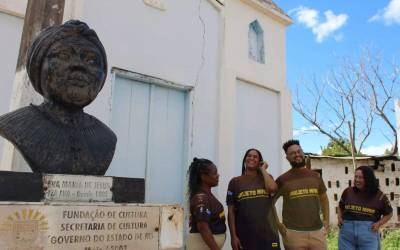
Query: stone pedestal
[{"x": 83, "y": 213}]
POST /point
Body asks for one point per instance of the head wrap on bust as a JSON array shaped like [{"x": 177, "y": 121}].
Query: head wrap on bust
[{"x": 48, "y": 37}]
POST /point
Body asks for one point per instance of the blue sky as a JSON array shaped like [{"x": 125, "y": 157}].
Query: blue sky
[{"x": 323, "y": 33}]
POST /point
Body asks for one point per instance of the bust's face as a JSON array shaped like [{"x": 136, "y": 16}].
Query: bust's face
[{"x": 72, "y": 72}]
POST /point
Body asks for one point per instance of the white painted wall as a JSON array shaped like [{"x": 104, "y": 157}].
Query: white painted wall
[
  {"x": 10, "y": 30},
  {"x": 173, "y": 45},
  {"x": 270, "y": 76},
  {"x": 269, "y": 103},
  {"x": 13, "y": 7},
  {"x": 257, "y": 125}
]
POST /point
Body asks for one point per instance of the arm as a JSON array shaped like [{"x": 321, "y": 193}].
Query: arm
[
  {"x": 235, "y": 242},
  {"x": 325, "y": 210},
  {"x": 340, "y": 217},
  {"x": 281, "y": 226},
  {"x": 342, "y": 202},
  {"x": 207, "y": 235},
  {"x": 270, "y": 185},
  {"x": 375, "y": 227}
]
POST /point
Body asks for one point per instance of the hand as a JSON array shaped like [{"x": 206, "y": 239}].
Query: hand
[
  {"x": 375, "y": 227},
  {"x": 326, "y": 227},
  {"x": 235, "y": 243},
  {"x": 340, "y": 221},
  {"x": 264, "y": 165},
  {"x": 282, "y": 229}
]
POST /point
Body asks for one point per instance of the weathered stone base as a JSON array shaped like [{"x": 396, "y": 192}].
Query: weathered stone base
[
  {"x": 32, "y": 187},
  {"x": 89, "y": 226}
]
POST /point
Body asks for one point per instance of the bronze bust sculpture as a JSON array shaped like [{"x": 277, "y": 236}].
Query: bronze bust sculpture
[{"x": 67, "y": 65}]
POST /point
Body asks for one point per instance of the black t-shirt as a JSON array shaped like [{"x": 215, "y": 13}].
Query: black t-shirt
[
  {"x": 358, "y": 205},
  {"x": 255, "y": 223},
  {"x": 205, "y": 207}
]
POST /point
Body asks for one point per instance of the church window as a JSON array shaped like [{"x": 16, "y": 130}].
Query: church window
[{"x": 256, "y": 42}]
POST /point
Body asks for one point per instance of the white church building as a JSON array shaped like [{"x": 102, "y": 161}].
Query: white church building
[{"x": 192, "y": 78}]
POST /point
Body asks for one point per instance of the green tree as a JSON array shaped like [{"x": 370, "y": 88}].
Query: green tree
[{"x": 335, "y": 148}]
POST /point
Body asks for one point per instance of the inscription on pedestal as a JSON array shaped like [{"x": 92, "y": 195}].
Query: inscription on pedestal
[
  {"x": 79, "y": 227},
  {"x": 77, "y": 188}
]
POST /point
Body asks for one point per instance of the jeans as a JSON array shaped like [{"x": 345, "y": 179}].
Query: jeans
[{"x": 357, "y": 235}]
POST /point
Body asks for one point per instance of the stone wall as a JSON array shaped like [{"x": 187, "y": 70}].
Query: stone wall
[{"x": 338, "y": 174}]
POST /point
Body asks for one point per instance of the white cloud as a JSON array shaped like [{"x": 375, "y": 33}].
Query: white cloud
[
  {"x": 338, "y": 37},
  {"x": 304, "y": 130},
  {"x": 307, "y": 16},
  {"x": 310, "y": 18},
  {"x": 389, "y": 15},
  {"x": 376, "y": 150}
]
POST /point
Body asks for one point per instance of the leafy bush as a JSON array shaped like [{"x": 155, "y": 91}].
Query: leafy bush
[
  {"x": 332, "y": 239},
  {"x": 391, "y": 241}
]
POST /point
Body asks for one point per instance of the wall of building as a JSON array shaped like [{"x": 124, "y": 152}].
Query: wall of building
[
  {"x": 238, "y": 69},
  {"x": 338, "y": 174},
  {"x": 11, "y": 25},
  {"x": 249, "y": 90},
  {"x": 13, "y": 7},
  {"x": 173, "y": 44}
]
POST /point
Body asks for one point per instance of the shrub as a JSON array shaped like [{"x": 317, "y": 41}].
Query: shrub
[
  {"x": 391, "y": 241},
  {"x": 332, "y": 239}
]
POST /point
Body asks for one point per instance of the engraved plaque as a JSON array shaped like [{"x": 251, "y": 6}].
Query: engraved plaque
[
  {"x": 77, "y": 188},
  {"x": 79, "y": 227}
]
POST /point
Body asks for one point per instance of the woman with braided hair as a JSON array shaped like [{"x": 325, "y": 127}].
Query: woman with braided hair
[{"x": 207, "y": 218}]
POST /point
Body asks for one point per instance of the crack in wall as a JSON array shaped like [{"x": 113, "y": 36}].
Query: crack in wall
[
  {"x": 203, "y": 46},
  {"x": 202, "y": 62}
]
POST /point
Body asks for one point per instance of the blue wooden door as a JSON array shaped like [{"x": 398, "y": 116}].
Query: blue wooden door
[{"x": 150, "y": 123}]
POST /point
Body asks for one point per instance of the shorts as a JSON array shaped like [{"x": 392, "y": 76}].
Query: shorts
[
  {"x": 310, "y": 240},
  {"x": 196, "y": 242}
]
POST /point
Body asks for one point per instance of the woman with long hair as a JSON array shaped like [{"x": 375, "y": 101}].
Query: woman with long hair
[
  {"x": 251, "y": 211},
  {"x": 363, "y": 209},
  {"x": 207, "y": 218}
]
